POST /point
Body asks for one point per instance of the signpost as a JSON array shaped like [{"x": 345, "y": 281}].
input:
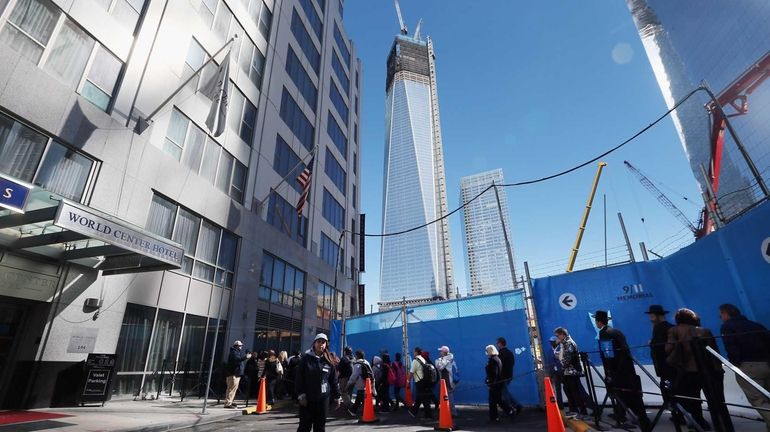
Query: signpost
[{"x": 97, "y": 378}]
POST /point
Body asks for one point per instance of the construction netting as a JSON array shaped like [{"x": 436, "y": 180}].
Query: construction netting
[{"x": 466, "y": 326}]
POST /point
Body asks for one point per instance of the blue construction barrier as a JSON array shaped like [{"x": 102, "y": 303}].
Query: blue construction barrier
[{"x": 467, "y": 326}]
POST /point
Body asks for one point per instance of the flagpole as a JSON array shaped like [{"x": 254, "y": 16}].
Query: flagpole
[
  {"x": 143, "y": 123},
  {"x": 283, "y": 180}
]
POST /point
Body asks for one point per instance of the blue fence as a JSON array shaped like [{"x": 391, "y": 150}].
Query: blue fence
[{"x": 466, "y": 326}]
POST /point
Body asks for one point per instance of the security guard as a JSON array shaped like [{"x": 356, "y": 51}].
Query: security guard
[{"x": 315, "y": 384}]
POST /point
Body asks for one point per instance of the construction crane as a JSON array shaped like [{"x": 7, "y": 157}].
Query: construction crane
[
  {"x": 404, "y": 30},
  {"x": 661, "y": 197},
  {"x": 582, "y": 228},
  {"x": 416, "y": 35}
]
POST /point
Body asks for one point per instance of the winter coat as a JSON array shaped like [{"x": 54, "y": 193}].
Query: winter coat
[
  {"x": 494, "y": 372},
  {"x": 273, "y": 370},
  {"x": 508, "y": 361},
  {"x": 400, "y": 374},
  {"x": 357, "y": 380},
  {"x": 679, "y": 348},
  {"x": 235, "y": 362},
  {"x": 568, "y": 358},
  {"x": 445, "y": 366},
  {"x": 316, "y": 378},
  {"x": 745, "y": 340}
]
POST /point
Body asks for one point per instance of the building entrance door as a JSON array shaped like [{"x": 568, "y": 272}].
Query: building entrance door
[{"x": 11, "y": 320}]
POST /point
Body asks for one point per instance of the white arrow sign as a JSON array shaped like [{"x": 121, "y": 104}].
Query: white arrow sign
[
  {"x": 766, "y": 250},
  {"x": 567, "y": 301}
]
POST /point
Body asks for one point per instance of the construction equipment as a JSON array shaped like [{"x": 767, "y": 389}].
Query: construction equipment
[
  {"x": 582, "y": 227},
  {"x": 661, "y": 197},
  {"x": 404, "y": 30},
  {"x": 416, "y": 35}
]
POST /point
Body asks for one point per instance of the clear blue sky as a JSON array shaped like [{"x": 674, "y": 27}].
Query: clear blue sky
[{"x": 532, "y": 88}]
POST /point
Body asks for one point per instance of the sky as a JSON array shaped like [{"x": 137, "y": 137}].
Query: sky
[{"x": 532, "y": 88}]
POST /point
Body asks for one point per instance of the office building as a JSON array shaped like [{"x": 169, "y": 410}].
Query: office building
[
  {"x": 728, "y": 47},
  {"x": 151, "y": 239},
  {"x": 488, "y": 265},
  {"x": 416, "y": 265}
]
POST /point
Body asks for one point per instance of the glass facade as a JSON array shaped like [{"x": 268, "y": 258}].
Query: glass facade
[
  {"x": 488, "y": 266},
  {"x": 686, "y": 45}
]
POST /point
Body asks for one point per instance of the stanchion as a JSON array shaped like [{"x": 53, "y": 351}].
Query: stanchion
[{"x": 445, "y": 422}]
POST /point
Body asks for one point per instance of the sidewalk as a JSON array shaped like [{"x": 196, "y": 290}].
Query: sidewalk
[{"x": 123, "y": 416}]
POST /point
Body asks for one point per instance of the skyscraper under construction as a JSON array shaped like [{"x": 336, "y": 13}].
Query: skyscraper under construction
[{"x": 416, "y": 265}]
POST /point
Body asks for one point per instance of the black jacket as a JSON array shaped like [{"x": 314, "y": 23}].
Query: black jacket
[
  {"x": 235, "y": 362},
  {"x": 494, "y": 370},
  {"x": 316, "y": 378},
  {"x": 615, "y": 355},
  {"x": 745, "y": 341},
  {"x": 346, "y": 366},
  {"x": 658, "y": 350},
  {"x": 507, "y": 359}
]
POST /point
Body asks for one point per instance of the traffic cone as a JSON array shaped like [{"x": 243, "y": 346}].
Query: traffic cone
[
  {"x": 408, "y": 394},
  {"x": 262, "y": 399},
  {"x": 552, "y": 413},
  {"x": 445, "y": 422},
  {"x": 368, "y": 416}
]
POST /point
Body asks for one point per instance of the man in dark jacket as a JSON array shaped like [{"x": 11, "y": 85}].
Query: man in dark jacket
[
  {"x": 660, "y": 328},
  {"x": 316, "y": 384},
  {"x": 345, "y": 369},
  {"x": 620, "y": 374},
  {"x": 494, "y": 380},
  {"x": 748, "y": 348},
  {"x": 234, "y": 371},
  {"x": 508, "y": 360}
]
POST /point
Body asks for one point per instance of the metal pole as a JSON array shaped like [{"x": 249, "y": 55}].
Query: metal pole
[
  {"x": 605, "y": 230},
  {"x": 214, "y": 347},
  {"x": 404, "y": 331},
  {"x": 625, "y": 236},
  {"x": 746, "y": 157},
  {"x": 532, "y": 318},
  {"x": 261, "y": 202},
  {"x": 505, "y": 235},
  {"x": 644, "y": 251},
  {"x": 582, "y": 227},
  {"x": 712, "y": 204}
]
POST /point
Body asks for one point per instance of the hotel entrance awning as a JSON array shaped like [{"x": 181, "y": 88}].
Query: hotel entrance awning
[{"x": 65, "y": 231}]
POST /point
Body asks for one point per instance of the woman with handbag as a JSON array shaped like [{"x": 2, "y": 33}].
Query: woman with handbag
[{"x": 572, "y": 370}]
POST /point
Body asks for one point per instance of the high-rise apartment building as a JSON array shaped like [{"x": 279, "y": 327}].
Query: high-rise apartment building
[
  {"x": 489, "y": 269},
  {"x": 728, "y": 47},
  {"x": 153, "y": 242},
  {"x": 416, "y": 265}
]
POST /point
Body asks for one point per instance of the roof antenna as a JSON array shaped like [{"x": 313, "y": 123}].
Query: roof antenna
[{"x": 404, "y": 30}]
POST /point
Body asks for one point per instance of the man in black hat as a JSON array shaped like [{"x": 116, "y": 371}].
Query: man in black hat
[
  {"x": 660, "y": 328},
  {"x": 622, "y": 381}
]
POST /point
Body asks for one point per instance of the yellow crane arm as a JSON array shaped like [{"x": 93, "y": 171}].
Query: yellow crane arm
[{"x": 582, "y": 228}]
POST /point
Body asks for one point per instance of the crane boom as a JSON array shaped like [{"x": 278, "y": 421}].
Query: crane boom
[
  {"x": 582, "y": 227},
  {"x": 662, "y": 198},
  {"x": 416, "y": 34},
  {"x": 404, "y": 30}
]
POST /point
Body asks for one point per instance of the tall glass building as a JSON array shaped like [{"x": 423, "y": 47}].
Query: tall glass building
[
  {"x": 416, "y": 265},
  {"x": 488, "y": 266},
  {"x": 688, "y": 42}
]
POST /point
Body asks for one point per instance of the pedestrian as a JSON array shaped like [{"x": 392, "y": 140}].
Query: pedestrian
[
  {"x": 446, "y": 366},
  {"x": 506, "y": 356},
  {"x": 572, "y": 370},
  {"x": 495, "y": 382},
  {"x": 748, "y": 348},
  {"x": 554, "y": 368},
  {"x": 316, "y": 385},
  {"x": 273, "y": 374},
  {"x": 383, "y": 384},
  {"x": 399, "y": 380},
  {"x": 689, "y": 379},
  {"x": 291, "y": 373},
  {"x": 362, "y": 371},
  {"x": 664, "y": 371},
  {"x": 235, "y": 369},
  {"x": 251, "y": 377},
  {"x": 429, "y": 363},
  {"x": 282, "y": 388},
  {"x": 261, "y": 359},
  {"x": 420, "y": 373},
  {"x": 345, "y": 370},
  {"x": 620, "y": 375}
]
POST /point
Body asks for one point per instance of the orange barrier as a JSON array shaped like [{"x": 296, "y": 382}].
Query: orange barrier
[
  {"x": 368, "y": 416},
  {"x": 262, "y": 399},
  {"x": 445, "y": 422},
  {"x": 408, "y": 401},
  {"x": 552, "y": 413}
]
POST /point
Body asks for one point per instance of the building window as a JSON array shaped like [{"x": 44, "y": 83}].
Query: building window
[
  {"x": 296, "y": 120},
  {"x": 222, "y": 20},
  {"x": 355, "y": 132},
  {"x": 333, "y": 211},
  {"x": 335, "y": 133},
  {"x": 252, "y": 63},
  {"x": 126, "y": 12},
  {"x": 265, "y": 20},
  {"x": 197, "y": 151},
  {"x": 69, "y": 54},
  {"x": 283, "y": 216},
  {"x": 354, "y": 198},
  {"x": 281, "y": 282},
  {"x": 196, "y": 56},
  {"x": 355, "y": 162},
  {"x": 286, "y": 161},
  {"x": 206, "y": 10},
  {"x": 353, "y": 233},
  {"x": 335, "y": 172},
  {"x": 330, "y": 301},
  {"x": 306, "y": 43},
  {"x": 322, "y": 5},
  {"x": 338, "y": 101},
  {"x": 329, "y": 251},
  {"x": 312, "y": 17},
  {"x": 355, "y": 106},
  {"x": 301, "y": 79},
  {"x": 339, "y": 70},
  {"x": 341, "y": 44},
  {"x": 30, "y": 156},
  {"x": 243, "y": 115},
  {"x": 210, "y": 251}
]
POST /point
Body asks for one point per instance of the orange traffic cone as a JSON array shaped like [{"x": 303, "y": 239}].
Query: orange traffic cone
[
  {"x": 552, "y": 413},
  {"x": 408, "y": 394},
  {"x": 262, "y": 399},
  {"x": 445, "y": 422},
  {"x": 368, "y": 416}
]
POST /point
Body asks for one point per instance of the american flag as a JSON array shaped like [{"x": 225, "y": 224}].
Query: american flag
[{"x": 304, "y": 180}]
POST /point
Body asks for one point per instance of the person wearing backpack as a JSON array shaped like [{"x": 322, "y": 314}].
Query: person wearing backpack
[
  {"x": 424, "y": 375},
  {"x": 399, "y": 380},
  {"x": 445, "y": 364},
  {"x": 361, "y": 371},
  {"x": 383, "y": 383}
]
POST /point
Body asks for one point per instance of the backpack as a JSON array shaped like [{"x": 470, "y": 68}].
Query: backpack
[
  {"x": 392, "y": 376},
  {"x": 455, "y": 374},
  {"x": 429, "y": 372},
  {"x": 366, "y": 372}
]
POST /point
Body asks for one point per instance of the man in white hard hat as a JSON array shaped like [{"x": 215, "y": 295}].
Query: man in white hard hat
[{"x": 234, "y": 371}]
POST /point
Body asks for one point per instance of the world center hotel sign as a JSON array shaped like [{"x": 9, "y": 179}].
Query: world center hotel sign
[{"x": 88, "y": 222}]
